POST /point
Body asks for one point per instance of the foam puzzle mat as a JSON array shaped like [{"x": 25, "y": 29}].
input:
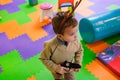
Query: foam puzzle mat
[{"x": 22, "y": 37}]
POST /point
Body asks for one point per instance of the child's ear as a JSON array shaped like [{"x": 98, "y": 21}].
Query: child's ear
[{"x": 59, "y": 36}]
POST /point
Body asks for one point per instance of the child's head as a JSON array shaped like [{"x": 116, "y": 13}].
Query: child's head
[{"x": 68, "y": 30}]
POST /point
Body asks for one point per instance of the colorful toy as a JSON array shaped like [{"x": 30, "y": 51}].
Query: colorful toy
[
  {"x": 65, "y": 3},
  {"x": 33, "y": 2},
  {"x": 46, "y": 10},
  {"x": 111, "y": 57},
  {"x": 100, "y": 26}
]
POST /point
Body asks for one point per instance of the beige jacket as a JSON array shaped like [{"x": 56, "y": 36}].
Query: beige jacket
[{"x": 60, "y": 53}]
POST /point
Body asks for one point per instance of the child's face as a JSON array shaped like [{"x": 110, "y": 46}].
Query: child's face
[{"x": 70, "y": 34}]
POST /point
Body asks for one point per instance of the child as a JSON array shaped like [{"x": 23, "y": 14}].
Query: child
[{"x": 65, "y": 46}]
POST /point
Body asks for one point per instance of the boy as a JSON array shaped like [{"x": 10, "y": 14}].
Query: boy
[{"x": 65, "y": 46}]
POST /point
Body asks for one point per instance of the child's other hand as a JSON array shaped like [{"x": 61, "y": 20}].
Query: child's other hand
[{"x": 61, "y": 69}]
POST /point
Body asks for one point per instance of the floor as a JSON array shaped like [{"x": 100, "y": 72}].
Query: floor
[{"x": 22, "y": 37}]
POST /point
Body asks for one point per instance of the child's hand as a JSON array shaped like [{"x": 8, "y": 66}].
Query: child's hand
[
  {"x": 76, "y": 70},
  {"x": 61, "y": 69}
]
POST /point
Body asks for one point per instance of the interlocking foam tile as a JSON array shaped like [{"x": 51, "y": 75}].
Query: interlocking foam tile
[
  {"x": 34, "y": 64},
  {"x": 33, "y": 30},
  {"x": 115, "y": 65},
  {"x": 112, "y": 7},
  {"x": 10, "y": 60},
  {"x": 83, "y": 8},
  {"x": 34, "y": 47},
  {"x": 98, "y": 46},
  {"x": 24, "y": 45},
  {"x": 5, "y": 44},
  {"x": 26, "y": 25},
  {"x": 44, "y": 75},
  {"x": 3, "y": 2},
  {"x": 84, "y": 74},
  {"x": 13, "y": 6},
  {"x": 89, "y": 55},
  {"x": 100, "y": 71},
  {"x": 0, "y": 68},
  {"x": 21, "y": 72},
  {"x": 20, "y": 16},
  {"x": 112, "y": 39},
  {"x": 97, "y": 8},
  {"x": 11, "y": 31},
  {"x": 32, "y": 78}
]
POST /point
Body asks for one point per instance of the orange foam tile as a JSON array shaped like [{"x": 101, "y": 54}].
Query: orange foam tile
[
  {"x": 85, "y": 3},
  {"x": 11, "y": 31},
  {"x": 3, "y": 2},
  {"x": 101, "y": 71},
  {"x": 98, "y": 46},
  {"x": 32, "y": 78},
  {"x": 83, "y": 10},
  {"x": 33, "y": 29}
]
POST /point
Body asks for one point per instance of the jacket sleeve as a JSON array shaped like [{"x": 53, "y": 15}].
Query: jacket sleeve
[
  {"x": 45, "y": 58},
  {"x": 79, "y": 54}
]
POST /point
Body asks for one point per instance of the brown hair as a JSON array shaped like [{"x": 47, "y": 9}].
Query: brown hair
[
  {"x": 58, "y": 28},
  {"x": 64, "y": 19}
]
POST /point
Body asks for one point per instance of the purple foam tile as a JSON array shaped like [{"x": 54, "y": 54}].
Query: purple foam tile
[
  {"x": 2, "y": 7},
  {"x": 0, "y": 70},
  {"x": 48, "y": 28},
  {"x": 21, "y": 41},
  {"x": 22, "y": 44},
  {"x": 97, "y": 7},
  {"x": 37, "y": 46},
  {"x": 19, "y": 1},
  {"x": 5, "y": 44},
  {"x": 12, "y": 7},
  {"x": 27, "y": 48},
  {"x": 78, "y": 16},
  {"x": 12, "y": 10}
]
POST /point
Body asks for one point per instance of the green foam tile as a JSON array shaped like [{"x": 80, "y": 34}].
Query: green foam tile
[
  {"x": 84, "y": 74},
  {"x": 18, "y": 72},
  {"x": 27, "y": 8},
  {"x": 89, "y": 55},
  {"x": 113, "y": 6},
  {"x": 79, "y": 36},
  {"x": 10, "y": 60},
  {"x": 112, "y": 39},
  {"x": 22, "y": 72},
  {"x": 50, "y": 1},
  {"x": 34, "y": 64},
  {"x": 44, "y": 75},
  {"x": 20, "y": 17}
]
